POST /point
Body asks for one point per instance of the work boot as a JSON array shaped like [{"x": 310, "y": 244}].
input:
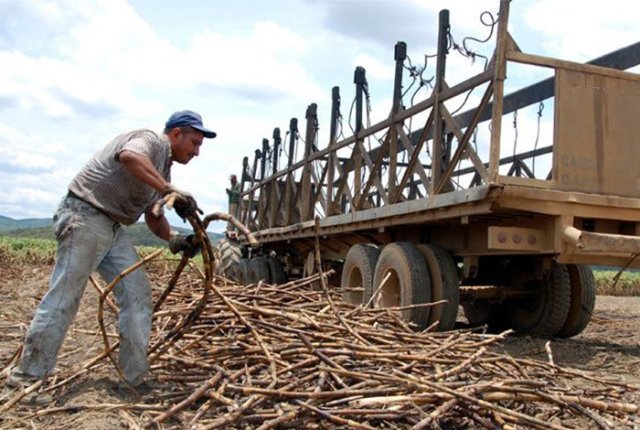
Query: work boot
[{"x": 18, "y": 379}]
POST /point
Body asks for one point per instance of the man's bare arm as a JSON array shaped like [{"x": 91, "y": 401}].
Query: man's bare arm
[
  {"x": 142, "y": 168},
  {"x": 158, "y": 225}
]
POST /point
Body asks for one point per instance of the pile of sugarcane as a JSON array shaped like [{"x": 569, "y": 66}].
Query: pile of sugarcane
[
  {"x": 295, "y": 355},
  {"x": 225, "y": 355}
]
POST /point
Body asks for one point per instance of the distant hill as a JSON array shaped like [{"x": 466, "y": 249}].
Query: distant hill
[
  {"x": 40, "y": 228},
  {"x": 7, "y": 223}
]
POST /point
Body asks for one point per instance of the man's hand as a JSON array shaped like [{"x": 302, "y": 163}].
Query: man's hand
[
  {"x": 184, "y": 244},
  {"x": 185, "y": 204}
]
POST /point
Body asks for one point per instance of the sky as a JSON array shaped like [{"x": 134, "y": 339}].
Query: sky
[{"x": 76, "y": 73}]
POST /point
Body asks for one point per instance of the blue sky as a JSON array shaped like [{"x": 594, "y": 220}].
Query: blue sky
[{"x": 77, "y": 72}]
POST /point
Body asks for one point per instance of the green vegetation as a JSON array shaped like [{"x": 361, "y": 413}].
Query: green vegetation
[
  {"x": 627, "y": 285},
  {"x": 27, "y": 250},
  {"x": 139, "y": 233}
]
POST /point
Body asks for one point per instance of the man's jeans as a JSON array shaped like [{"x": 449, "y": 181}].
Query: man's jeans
[{"x": 90, "y": 240}]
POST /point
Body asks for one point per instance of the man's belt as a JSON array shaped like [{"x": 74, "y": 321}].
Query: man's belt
[{"x": 77, "y": 197}]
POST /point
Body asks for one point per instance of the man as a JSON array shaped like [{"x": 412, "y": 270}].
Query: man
[
  {"x": 234, "y": 198},
  {"x": 118, "y": 185}
]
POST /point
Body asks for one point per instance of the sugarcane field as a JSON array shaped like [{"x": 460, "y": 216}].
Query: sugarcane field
[{"x": 466, "y": 259}]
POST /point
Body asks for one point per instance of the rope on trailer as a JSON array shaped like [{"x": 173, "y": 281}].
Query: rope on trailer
[
  {"x": 464, "y": 102},
  {"x": 515, "y": 131},
  {"x": 416, "y": 73},
  {"x": 283, "y": 146},
  {"x": 353, "y": 103},
  {"x": 487, "y": 19},
  {"x": 535, "y": 145}
]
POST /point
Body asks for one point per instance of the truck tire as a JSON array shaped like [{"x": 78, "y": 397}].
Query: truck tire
[
  {"x": 276, "y": 272},
  {"x": 543, "y": 314},
  {"x": 243, "y": 271},
  {"x": 230, "y": 254},
  {"x": 258, "y": 270},
  {"x": 583, "y": 300},
  {"x": 408, "y": 282},
  {"x": 357, "y": 272},
  {"x": 444, "y": 285}
]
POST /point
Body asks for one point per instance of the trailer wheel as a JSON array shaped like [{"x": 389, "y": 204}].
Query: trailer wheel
[
  {"x": 230, "y": 254},
  {"x": 444, "y": 285},
  {"x": 357, "y": 273},
  {"x": 544, "y": 313},
  {"x": 276, "y": 272},
  {"x": 407, "y": 281},
  {"x": 258, "y": 270},
  {"x": 583, "y": 300}
]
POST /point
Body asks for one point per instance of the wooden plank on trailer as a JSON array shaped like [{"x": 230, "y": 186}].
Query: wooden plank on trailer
[
  {"x": 374, "y": 178},
  {"x": 277, "y": 202},
  {"x": 411, "y": 206},
  {"x": 570, "y": 204},
  {"x": 534, "y": 194},
  {"x": 525, "y": 182},
  {"x": 373, "y": 223},
  {"x": 414, "y": 166},
  {"x": 498, "y": 90},
  {"x": 594, "y": 114},
  {"x": 539, "y": 60},
  {"x": 463, "y": 141}
]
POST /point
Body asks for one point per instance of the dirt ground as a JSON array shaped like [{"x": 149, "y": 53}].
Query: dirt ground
[{"x": 609, "y": 348}]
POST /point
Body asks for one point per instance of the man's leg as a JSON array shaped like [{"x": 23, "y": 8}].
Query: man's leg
[
  {"x": 133, "y": 294},
  {"x": 233, "y": 209},
  {"x": 83, "y": 238}
]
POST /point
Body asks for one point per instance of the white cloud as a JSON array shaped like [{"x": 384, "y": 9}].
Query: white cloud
[
  {"x": 74, "y": 74},
  {"x": 580, "y": 30}
]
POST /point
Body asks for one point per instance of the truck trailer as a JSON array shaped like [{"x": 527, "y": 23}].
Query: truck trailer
[{"x": 408, "y": 215}]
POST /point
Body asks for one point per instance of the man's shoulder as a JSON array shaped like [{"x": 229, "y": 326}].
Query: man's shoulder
[
  {"x": 146, "y": 134},
  {"x": 142, "y": 138}
]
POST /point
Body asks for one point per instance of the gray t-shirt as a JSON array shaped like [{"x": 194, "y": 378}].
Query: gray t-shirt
[{"x": 106, "y": 184}]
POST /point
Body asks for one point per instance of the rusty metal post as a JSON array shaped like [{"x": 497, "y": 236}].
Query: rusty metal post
[
  {"x": 400, "y": 55},
  {"x": 312, "y": 124},
  {"x": 440, "y": 161},
  {"x": 263, "y": 160},
  {"x": 277, "y": 140},
  {"x": 243, "y": 178},
  {"x": 264, "y": 196},
  {"x": 290, "y": 183},
  {"x": 254, "y": 171},
  {"x": 360, "y": 80},
  {"x": 306, "y": 196},
  {"x": 293, "y": 131},
  {"x": 333, "y": 135},
  {"x": 245, "y": 173}
]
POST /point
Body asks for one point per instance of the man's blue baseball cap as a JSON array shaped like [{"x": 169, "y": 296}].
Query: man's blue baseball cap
[{"x": 190, "y": 118}]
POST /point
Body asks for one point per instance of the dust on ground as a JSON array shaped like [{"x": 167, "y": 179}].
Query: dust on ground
[{"x": 608, "y": 349}]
